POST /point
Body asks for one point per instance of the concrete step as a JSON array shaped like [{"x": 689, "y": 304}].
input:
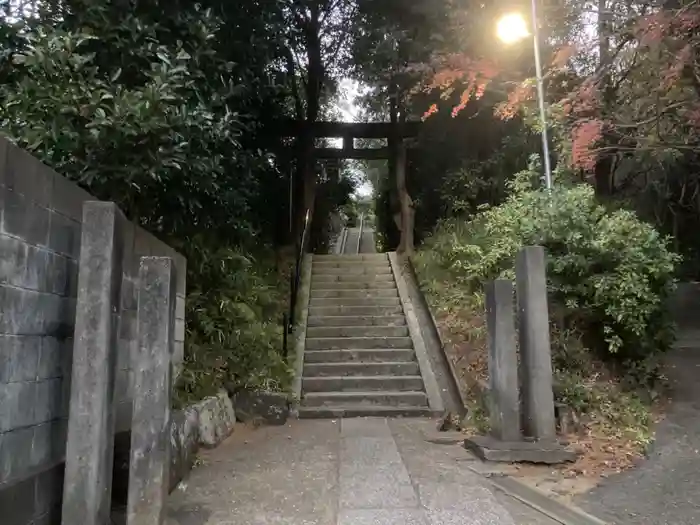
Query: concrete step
[
  {"x": 384, "y": 263},
  {"x": 351, "y": 279},
  {"x": 357, "y": 343},
  {"x": 362, "y": 411},
  {"x": 354, "y": 257},
  {"x": 362, "y": 384},
  {"x": 349, "y": 301},
  {"x": 387, "y": 284},
  {"x": 373, "y": 355},
  {"x": 340, "y": 399},
  {"x": 351, "y": 269},
  {"x": 354, "y": 311},
  {"x": 360, "y": 320},
  {"x": 357, "y": 331},
  {"x": 354, "y": 294},
  {"x": 360, "y": 369}
]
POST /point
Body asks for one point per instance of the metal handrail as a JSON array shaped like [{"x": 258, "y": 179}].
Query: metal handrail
[
  {"x": 359, "y": 237},
  {"x": 295, "y": 279},
  {"x": 340, "y": 245}
]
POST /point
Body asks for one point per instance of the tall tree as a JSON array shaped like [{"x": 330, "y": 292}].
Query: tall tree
[{"x": 318, "y": 36}]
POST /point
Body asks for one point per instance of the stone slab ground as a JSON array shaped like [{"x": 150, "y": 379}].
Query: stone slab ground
[
  {"x": 369, "y": 471},
  {"x": 665, "y": 487}
]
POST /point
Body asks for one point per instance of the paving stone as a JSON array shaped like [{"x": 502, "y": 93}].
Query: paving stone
[
  {"x": 372, "y": 475},
  {"x": 368, "y": 490},
  {"x": 302, "y": 474},
  {"x": 371, "y": 452},
  {"x": 280, "y": 474},
  {"x": 453, "y": 496},
  {"x": 481, "y": 516},
  {"x": 365, "y": 427},
  {"x": 383, "y": 517}
]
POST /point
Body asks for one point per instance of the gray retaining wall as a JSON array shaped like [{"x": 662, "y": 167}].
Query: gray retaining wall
[{"x": 40, "y": 230}]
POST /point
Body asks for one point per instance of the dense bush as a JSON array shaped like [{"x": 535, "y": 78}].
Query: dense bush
[
  {"x": 156, "y": 133},
  {"x": 234, "y": 333},
  {"x": 609, "y": 273},
  {"x": 149, "y": 114}
]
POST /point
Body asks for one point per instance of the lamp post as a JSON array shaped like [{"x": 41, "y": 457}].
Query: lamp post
[{"x": 512, "y": 28}]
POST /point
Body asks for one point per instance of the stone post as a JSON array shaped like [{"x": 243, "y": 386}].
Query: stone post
[
  {"x": 90, "y": 445},
  {"x": 535, "y": 351},
  {"x": 503, "y": 361},
  {"x": 151, "y": 365}
]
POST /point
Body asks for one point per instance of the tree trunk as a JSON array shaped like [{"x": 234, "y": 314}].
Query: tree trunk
[
  {"x": 393, "y": 139},
  {"x": 408, "y": 211},
  {"x": 604, "y": 176},
  {"x": 306, "y": 162},
  {"x": 603, "y": 172}
]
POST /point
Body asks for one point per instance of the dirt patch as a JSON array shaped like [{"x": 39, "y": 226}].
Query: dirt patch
[
  {"x": 465, "y": 339},
  {"x": 608, "y": 438}
]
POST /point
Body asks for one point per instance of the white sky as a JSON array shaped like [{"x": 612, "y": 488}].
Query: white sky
[{"x": 350, "y": 112}]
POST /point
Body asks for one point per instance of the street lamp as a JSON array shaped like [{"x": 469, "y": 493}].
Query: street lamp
[{"x": 513, "y": 28}]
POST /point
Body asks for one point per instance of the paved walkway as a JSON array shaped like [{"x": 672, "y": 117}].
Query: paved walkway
[
  {"x": 664, "y": 489},
  {"x": 349, "y": 472}
]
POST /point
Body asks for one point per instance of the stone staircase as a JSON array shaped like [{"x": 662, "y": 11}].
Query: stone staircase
[{"x": 359, "y": 358}]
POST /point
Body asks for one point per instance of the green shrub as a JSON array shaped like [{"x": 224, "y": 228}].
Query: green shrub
[
  {"x": 147, "y": 111},
  {"x": 234, "y": 331},
  {"x": 609, "y": 274}
]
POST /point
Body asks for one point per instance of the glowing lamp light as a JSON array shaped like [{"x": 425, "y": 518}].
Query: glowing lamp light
[{"x": 512, "y": 28}]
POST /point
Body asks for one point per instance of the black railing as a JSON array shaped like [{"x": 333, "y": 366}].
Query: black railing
[{"x": 294, "y": 282}]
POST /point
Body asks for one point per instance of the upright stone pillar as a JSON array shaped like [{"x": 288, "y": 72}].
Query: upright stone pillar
[
  {"x": 90, "y": 448},
  {"x": 503, "y": 362},
  {"x": 535, "y": 351},
  {"x": 151, "y": 365}
]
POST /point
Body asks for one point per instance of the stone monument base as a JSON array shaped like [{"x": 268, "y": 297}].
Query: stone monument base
[{"x": 490, "y": 449}]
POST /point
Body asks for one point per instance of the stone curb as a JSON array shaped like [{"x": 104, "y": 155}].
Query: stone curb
[
  {"x": 426, "y": 368},
  {"x": 533, "y": 498},
  {"x": 439, "y": 350},
  {"x": 299, "y": 337},
  {"x": 539, "y": 501}
]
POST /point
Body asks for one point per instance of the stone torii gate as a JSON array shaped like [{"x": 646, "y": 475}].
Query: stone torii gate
[{"x": 395, "y": 134}]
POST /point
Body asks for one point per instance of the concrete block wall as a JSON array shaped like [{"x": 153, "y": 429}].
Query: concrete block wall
[{"x": 40, "y": 230}]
